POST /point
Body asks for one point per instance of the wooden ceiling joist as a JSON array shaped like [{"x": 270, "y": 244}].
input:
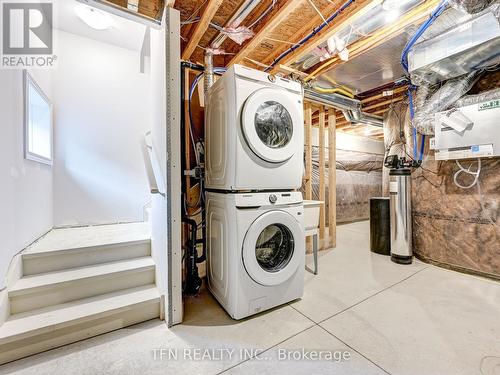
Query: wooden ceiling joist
[
  {"x": 415, "y": 16},
  {"x": 349, "y": 15},
  {"x": 395, "y": 91},
  {"x": 301, "y": 33},
  {"x": 275, "y": 20},
  {"x": 210, "y": 9},
  {"x": 385, "y": 103}
]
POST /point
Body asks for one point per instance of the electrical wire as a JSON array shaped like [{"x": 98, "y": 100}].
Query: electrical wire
[
  {"x": 264, "y": 13},
  {"x": 195, "y": 83},
  {"x": 475, "y": 182},
  {"x": 435, "y": 14},
  {"x": 468, "y": 171},
  {"x": 313, "y": 33},
  {"x": 336, "y": 90}
]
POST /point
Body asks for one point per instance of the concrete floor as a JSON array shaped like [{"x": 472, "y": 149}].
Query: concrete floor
[{"x": 362, "y": 314}]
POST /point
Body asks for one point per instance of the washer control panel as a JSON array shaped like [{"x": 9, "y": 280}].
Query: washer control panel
[{"x": 266, "y": 199}]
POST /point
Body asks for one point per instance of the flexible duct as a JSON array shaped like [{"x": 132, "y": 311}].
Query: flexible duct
[
  {"x": 209, "y": 70},
  {"x": 350, "y": 107}
]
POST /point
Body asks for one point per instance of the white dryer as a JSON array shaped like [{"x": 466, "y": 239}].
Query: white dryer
[
  {"x": 255, "y": 250},
  {"x": 254, "y": 132}
]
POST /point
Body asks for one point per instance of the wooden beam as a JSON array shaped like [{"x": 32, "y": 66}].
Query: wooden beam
[
  {"x": 301, "y": 33},
  {"x": 379, "y": 112},
  {"x": 332, "y": 179},
  {"x": 322, "y": 176},
  {"x": 395, "y": 91},
  {"x": 384, "y": 103},
  {"x": 349, "y": 15},
  {"x": 380, "y": 36},
  {"x": 202, "y": 26},
  {"x": 275, "y": 20}
]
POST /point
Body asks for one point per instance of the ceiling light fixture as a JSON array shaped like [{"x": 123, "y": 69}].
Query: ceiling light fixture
[{"x": 94, "y": 18}]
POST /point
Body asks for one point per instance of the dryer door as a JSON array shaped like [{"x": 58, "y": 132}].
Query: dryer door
[
  {"x": 269, "y": 248},
  {"x": 272, "y": 123}
]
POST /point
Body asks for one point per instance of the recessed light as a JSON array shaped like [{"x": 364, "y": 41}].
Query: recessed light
[{"x": 94, "y": 18}]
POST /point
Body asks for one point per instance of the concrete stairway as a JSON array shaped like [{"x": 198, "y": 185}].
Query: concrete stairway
[{"x": 78, "y": 283}]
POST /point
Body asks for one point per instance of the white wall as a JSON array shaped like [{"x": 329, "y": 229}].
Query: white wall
[
  {"x": 102, "y": 111},
  {"x": 25, "y": 186}
]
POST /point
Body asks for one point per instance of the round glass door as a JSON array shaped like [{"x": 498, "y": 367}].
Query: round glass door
[
  {"x": 271, "y": 248},
  {"x": 272, "y": 124},
  {"x": 274, "y": 247}
]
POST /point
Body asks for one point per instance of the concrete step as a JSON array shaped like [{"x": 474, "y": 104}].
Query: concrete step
[
  {"x": 67, "y": 248},
  {"x": 53, "y": 288},
  {"x": 38, "y": 330}
]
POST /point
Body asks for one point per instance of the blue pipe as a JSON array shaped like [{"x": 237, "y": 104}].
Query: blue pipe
[
  {"x": 436, "y": 13},
  {"x": 422, "y": 147},
  {"x": 309, "y": 36},
  {"x": 404, "y": 62}
]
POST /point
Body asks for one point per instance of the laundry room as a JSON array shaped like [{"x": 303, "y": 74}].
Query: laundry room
[{"x": 250, "y": 186}]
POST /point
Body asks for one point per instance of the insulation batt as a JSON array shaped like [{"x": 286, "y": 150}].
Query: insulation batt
[{"x": 359, "y": 178}]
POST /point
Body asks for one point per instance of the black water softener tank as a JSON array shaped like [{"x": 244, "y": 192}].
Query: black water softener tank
[{"x": 380, "y": 226}]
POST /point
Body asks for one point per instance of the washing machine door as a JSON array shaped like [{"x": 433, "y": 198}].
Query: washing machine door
[
  {"x": 272, "y": 123},
  {"x": 269, "y": 248}
]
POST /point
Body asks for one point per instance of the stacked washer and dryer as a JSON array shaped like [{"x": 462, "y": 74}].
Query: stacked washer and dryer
[{"x": 254, "y": 135}]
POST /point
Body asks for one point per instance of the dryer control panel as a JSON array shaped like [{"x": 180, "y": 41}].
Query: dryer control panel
[
  {"x": 266, "y": 199},
  {"x": 257, "y": 75}
]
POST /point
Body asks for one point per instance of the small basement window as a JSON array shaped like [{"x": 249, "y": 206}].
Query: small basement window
[{"x": 37, "y": 122}]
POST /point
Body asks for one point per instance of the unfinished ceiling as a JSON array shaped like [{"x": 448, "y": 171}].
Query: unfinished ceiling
[
  {"x": 286, "y": 32},
  {"x": 292, "y": 30},
  {"x": 149, "y": 8}
]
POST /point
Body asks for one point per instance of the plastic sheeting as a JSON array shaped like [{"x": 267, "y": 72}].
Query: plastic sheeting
[
  {"x": 471, "y": 6},
  {"x": 429, "y": 102},
  {"x": 479, "y": 98},
  {"x": 359, "y": 178},
  {"x": 397, "y": 130}
]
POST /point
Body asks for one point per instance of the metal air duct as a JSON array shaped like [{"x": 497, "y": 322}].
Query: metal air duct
[{"x": 350, "y": 107}]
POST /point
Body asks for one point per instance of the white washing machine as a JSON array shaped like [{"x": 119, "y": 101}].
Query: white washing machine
[
  {"x": 254, "y": 132},
  {"x": 255, "y": 250}
]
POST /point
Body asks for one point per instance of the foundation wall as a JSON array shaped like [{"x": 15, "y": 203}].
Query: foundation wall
[{"x": 450, "y": 228}]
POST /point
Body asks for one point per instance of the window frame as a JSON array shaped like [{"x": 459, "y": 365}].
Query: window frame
[{"x": 29, "y": 81}]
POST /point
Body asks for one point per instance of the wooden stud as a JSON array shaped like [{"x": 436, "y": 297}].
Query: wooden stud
[
  {"x": 332, "y": 179},
  {"x": 275, "y": 20},
  {"x": 322, "y": 175},
  {"x": 187, "y": 125},
  {"x": 201, "y": 27},
  {"x": 349, "y": 15}
]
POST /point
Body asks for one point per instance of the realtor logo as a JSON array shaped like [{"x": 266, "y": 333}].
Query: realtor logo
[
  {"x": 27, "y": 29},
  {"x": 27, "y": 35}
]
